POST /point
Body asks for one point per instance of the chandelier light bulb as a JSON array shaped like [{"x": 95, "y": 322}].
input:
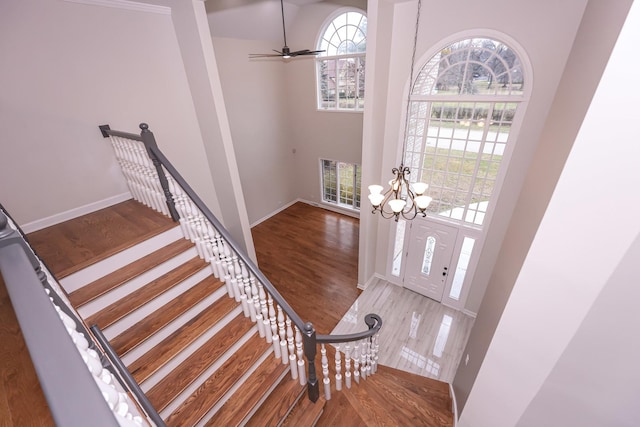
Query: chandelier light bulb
[
  {"x": 397, "y": 205},
  {"x": 420, "y": 188},
  {"x": 375, "y": 189}
]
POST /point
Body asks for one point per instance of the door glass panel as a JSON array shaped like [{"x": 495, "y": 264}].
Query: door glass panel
[
  {"x": 397, "y": 248},
  {"x": 428, "y": 255},
  {"x": 461, "y": 269}
]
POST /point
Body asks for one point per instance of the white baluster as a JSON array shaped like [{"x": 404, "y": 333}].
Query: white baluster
[
  {"x": 356, "y": 362},
  {"x": 376, "y": 348},
  {"x": 369, "y": 355},
  {"x": 291, "y": 347},
  {"x": 247, "y": 292},
  {"x": 347, "y": 365},
  {"x": 325, "y": 373},
  {"x": 338, "y": 369},
  {"x": 274, "y": 328},
  {"x": 302, "y": 373},
  {"x": 363, "y": 360},
  {"x": 283, "y": 337},
  {"x": 264, "y": 312},
  {"x": 255, "y": 302}
]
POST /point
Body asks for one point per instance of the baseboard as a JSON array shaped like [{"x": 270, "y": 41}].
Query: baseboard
[
  {"x": 74, "y": 213},
  {"x": 470, "y": 313},
  {"x": 277, "y": 211},
  {"x": 375, "y": 276},
  {"x": 331, "y": 208},
  {"x": 455, "y": 405}
]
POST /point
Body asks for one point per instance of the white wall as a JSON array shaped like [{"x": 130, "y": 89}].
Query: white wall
[
  {"x": 594, "y": 41},
  {"x": 316, "y": 134},
  {"x": 68, "y": 68},
  {"x": 256, "y": 97},
  {"x": 577, "y": 281}
]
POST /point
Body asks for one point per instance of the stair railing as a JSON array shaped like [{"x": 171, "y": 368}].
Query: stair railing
[
  {"x": 155, "y": 182},
  {"x": 78, "y": 382}
]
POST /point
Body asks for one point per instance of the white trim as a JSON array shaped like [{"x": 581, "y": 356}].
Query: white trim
[
  {"x": 331, "y": 207},
  {"x": 277, "y": 211},
  {"x": 454, "y": 404},
  {"x": 375, "y": 276},
  {"x": 39, "y": 224},
  {"x": 469, "y": 313},
  {"x": 327, "y": 206},
  {"x": 126, "y": 4}
]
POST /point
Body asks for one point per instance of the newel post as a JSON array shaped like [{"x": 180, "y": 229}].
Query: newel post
[
  {"x": 149, "y": 142},
  {"x": 309, "y": 337}
]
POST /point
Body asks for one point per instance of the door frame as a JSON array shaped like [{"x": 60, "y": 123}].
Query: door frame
[{"x": 463, "y": 232}]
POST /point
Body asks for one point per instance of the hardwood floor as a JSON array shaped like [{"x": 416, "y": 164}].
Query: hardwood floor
[
  {"x": 73, "y": 245},
  {"x": 311, "y": 256},
  {"x": 22, "y": 402}
]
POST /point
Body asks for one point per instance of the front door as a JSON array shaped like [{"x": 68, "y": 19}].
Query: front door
[{"x": 429, "y": 253}]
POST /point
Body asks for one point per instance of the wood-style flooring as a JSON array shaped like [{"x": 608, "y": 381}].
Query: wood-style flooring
[
  {"x": 311, "y": 256},
  {"x": 73, "y": 245},
  {"x": 22, "y": 402}
]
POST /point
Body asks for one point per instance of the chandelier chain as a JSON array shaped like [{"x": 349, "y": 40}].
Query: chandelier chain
[{"x": 413, "y": 60}]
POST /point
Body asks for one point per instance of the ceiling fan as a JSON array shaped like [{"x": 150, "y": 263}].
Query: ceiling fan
[{"x": 285, "y": 52}]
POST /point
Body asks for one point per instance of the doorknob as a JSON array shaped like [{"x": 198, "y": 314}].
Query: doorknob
[{"x": 444, "y": 273}]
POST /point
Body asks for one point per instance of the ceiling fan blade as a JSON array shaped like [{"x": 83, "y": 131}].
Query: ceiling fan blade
[
  {"x": 285, "y": 53},
  {"x": 264, "y": 55},
  {"x": 306, "y": 52}
]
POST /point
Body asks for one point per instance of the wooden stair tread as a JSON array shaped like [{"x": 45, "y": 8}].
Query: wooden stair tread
[
  {"x": 217, "y": 385},
  {"x": 407, "y": 406},
  {"x": 278, "y": 404},
  {"x": 383, "y": 400},
  {"x": 436, "y": 392},
  {"x": 107, "y": 283},
  {"x": 72, "y": 245},
  {"x": 157, "y": 320},
  {"x": 251, "y": 393},
  {"x": 372, "y": 411},
  {"x": 306, "y": 413},
  {"x": 116, "y": 311},
  {"x": 418, "y": 380},
  {"x": 159, "y": 355},
  {"x": 193, "y": 366}
]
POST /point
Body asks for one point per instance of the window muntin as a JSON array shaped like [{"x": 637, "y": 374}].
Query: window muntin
[
  {"x": 341, "y": 183},
  {"x": 461, "y": 110},
  {"x": 340, "y": 68}
]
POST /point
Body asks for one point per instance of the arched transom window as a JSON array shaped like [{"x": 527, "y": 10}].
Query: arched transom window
[
  {"x": 340, "y": 68},
  {"x": 462, "y": 105}
]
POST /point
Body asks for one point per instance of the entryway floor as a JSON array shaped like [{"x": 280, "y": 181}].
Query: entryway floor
[{"x": 418, "y": 335}]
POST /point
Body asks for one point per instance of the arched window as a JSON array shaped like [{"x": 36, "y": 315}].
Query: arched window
[
  {"x": 340, "y": 68},
  {"x": 462, "y": 105}
]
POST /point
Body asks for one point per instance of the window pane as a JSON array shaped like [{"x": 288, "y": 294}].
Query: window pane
[
  {"x": 397, "y": 248},
  {"x": 341, "y": 80},
  {"x": 461, "y": 269},
  {"x": 341, "y": 183},
  {"x": 428, "y": 255}
]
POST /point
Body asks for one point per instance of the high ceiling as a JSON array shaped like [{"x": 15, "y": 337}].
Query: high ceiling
[{"x": 259, "y": 19}]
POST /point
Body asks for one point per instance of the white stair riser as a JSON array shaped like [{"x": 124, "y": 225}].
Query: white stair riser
[{"x": 100, "y": 269}]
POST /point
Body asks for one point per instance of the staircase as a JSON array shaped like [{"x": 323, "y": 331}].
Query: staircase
[{"x": 198, "y": 359}]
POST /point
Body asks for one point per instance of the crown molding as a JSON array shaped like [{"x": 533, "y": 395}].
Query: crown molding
[{"x": 126, "y": 4}]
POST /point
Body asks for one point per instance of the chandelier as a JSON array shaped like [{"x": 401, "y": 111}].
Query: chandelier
[{"x": 402, "y": 198}]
